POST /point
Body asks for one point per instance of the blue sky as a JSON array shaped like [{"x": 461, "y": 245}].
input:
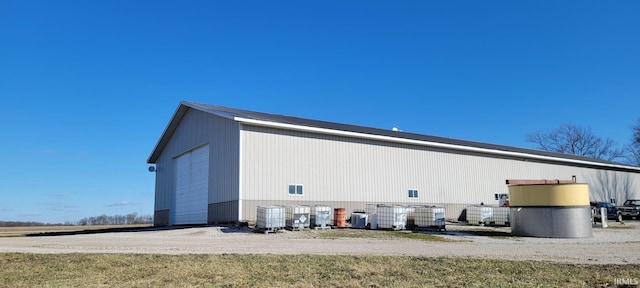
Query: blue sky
[{"x": 87, "y": 87}]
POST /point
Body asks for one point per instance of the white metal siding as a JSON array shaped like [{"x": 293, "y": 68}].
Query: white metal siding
[
  {"x": 336, "y": 168},
  {"x": 192, "y": 173}
]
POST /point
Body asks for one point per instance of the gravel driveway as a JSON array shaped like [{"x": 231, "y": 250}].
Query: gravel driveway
[{"x": 619, "y": 245}]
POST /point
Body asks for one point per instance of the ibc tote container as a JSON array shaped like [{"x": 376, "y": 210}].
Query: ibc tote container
[
  {"x": 372, "y": 215},
  {"x": 270, "y": 218},
  {"x": 500, "y": 216},
  {"x": 370, "y": 210},
  {"x": 359, "y": 220},
  {"x": 410, "y": 210},
  {"x": 392, "y": 217},
  {"x": 320, "y": 216},
  {"x": 479, "y": 215},
  {"x": 429, "y": 217},
  {"x": 298, "y": 217}
]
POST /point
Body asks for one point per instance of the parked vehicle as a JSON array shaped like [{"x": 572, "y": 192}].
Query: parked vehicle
[
  {"x": 613, "y": 213},
  {"x": 630, "y": 208}
]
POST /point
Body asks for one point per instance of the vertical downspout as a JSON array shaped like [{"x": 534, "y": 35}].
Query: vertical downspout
[{"x": 240, "y": 169}]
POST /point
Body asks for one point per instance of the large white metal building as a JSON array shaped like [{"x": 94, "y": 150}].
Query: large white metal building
[{"x": 216, "y": 164}]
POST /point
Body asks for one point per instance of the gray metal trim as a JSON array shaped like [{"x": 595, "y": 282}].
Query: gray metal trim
[
  {"x": 535, "y": 206},
  {"x": 232, "y": 113}
]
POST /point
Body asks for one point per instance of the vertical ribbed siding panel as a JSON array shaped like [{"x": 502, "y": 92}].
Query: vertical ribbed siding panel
[
  {"x": 620, "y": 186},
  {"x": 195, "y": 129},
  {"x": 224, "y": 161},
  {"x": 190, "y": 134},
  {"x": 336, "y": 169},
  {"x": 224, "y": 175}
]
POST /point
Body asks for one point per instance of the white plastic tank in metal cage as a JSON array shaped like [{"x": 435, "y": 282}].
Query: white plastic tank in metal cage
[
  {"x": 479, "y": 215},
  {"x": 410, "y": 210},
  {"x": 429, "y": 218},
  {"x": 270, "y": 218},
  {"x": 500, "y": 216},
  {"x": 321, "y": 216},
  {"x": 392, "y": 217}
]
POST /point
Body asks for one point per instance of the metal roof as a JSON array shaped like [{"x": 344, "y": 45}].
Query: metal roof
[{"x": 291, "y": 121}]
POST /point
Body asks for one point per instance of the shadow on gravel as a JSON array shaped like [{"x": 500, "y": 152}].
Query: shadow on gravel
[
  {"x": 109, "y": 230},
  {"x": 246, "y": 230}
]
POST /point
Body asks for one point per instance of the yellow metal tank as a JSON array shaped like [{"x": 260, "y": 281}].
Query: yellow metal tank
[{"x": 550, "y": 210}]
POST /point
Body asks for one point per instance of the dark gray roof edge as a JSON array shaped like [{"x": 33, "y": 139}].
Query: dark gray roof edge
[
  {"x": 232, "y": 113},
  {"x": 168, "y": 131},
  {"x": 182, "y": 109}
]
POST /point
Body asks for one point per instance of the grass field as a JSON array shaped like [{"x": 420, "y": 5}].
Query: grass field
[
  {"x": 122, "y": 270},
  {"x": 234, "y": 270}
]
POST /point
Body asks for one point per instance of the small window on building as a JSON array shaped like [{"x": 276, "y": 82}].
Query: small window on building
[
  {"x": 413, "y": 193},
  {"x": 295, "y": 189}
]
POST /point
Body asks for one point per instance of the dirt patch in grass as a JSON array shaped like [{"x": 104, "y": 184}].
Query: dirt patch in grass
[
  {"x": 379, "y": 234},
  {"x": 620, "y": 227}
]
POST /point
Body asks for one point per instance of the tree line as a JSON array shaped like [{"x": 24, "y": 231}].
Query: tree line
[
  {"x": 131, "y": 218},
  {"x": 27, "y": 224}
]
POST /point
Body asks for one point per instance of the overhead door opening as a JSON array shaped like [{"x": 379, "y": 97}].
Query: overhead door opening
[{"x": 192, "y": 185}]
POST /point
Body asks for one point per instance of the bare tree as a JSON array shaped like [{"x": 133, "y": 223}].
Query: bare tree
[
  {"x": 633, "y": 154},
  {"x": 131, "y": 218},
  {"x": 636, "y": 132},
  {"x": 633, "y": 149},
  {"x": 572, "y": 139}
]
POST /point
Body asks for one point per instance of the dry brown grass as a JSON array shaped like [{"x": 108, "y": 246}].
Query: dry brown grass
[
  {"x": 121, "y": 270},
  {"x": 380, "y": 234}
]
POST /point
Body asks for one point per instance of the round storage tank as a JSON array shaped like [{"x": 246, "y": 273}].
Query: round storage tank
[{"x": 550, "y": 210}]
